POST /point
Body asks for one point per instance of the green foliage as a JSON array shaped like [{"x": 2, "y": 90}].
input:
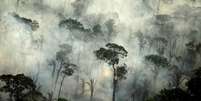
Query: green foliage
[
  {"x": 157, "y": 60},
  {"x": 69, "y": 69},
  {"x": 197, "y": 72},
  {"x": 198, "y": 47},
  {"x": 107, "y": 55},
  {"x": 193, "y": 92},
  {"x": 32, "y": 23},
  {"x": 73, "y": 24},
  {"x": 117, "y": 48},
  {"x": 194, "y": 86},
  {"x": 121, "y": 72},
  {"x": 16, "y": 85},
  {"x": 34, "y": 96},
  {"x": 61, "y": 56},
  {"x": 170, "y": 95},
  {"x": 161, "y": 39},
  {"x": 97, "y": 29},
  {"x": 111, "y": 53},
  {"x": 62, "y": 99}
]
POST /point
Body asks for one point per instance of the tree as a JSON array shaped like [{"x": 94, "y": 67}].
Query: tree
[
  {"x": 34, "y": 96},
  {"x": 197, "y": 72},
  {"x": 157, "y": 61},
  {"x": 91, "y": 84},
  {"x": 159, "y": 43},
  {"x": 68, "y": 70},
  {"x": 17, "y": 86},
  {"x": 62, "y": 99},
  {"x": 171, "y": 95},
  {"x": 33, "y": 24},
  {"x": 111, "y": 54},
  {"x": 194, "y": 88},
  {"x": 73, "y": 24},
  {"x": 158, "y": 7},
  {"x": 193, "y": 93},
  {"x": 90, "y": 80},
  {"x": 177, "y": 75},
  {"x": 60, "y": 60},
  {"x": 194, "y": 85}
]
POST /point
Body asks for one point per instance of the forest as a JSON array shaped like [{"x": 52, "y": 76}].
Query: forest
[{"x": 100, "y": 50}]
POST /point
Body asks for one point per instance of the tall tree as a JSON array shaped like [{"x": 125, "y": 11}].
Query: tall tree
[
  {"x": 158, "y": 62},
  {"x": 112, "y": 54},
  {"x": 68, "y": 70}
]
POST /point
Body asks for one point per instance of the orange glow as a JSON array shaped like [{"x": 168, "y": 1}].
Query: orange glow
[{"x": 106, "y": 72}]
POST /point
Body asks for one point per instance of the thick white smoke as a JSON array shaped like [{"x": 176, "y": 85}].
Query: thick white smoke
[{"x": 24, "y": 50}]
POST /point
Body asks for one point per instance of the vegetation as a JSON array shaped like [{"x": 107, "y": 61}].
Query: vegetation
[
  {"x": 72, "y": 24},
  {"x": 193, "y": 93},
  {"x": 111, "y": 54},
  {"x": 19, "y": 87}
]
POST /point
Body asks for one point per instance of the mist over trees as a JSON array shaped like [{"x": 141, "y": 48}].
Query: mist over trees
[
  {"x": 111, "y": 55},
  {"x": 100, "y": 50}
]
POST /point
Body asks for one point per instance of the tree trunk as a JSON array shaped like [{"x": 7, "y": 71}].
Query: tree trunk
[
  {"x": 61, "y": 86},
  {"x": 11, "y": 97},
  {"x": 58, "y": 72},
  {"x": 83, "y": 87},
  {"x": 114, "y": 83},
  {"x": 158, "y": 7},
  {"x": 77, "y": 85},
  {"x": 92, "y": 89},
  {"x": 50, "y": 96}
]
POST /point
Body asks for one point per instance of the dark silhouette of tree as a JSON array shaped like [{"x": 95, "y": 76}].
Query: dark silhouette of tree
[
  {"x": 17, "y": 85},
  {"x": 62, "y": 99},
  {"x": 177, "y": 75},
  {"x": 73, "y": 24},
  {"x": 60, "y": 60},
  {"x": 197, "y": 72},
  {"x": 34, "y": 96},
  {"x": 97, "y": 29},
  {"x": 194, "y": 88},
  {"x": 121, "y": 71},
  {"x": 33, "y": 24},
  {"x": 111, "y": 54},
  {"x": 157, "y": 61},
  {"x": 194, "y": 85},
  {"x": 68, "y": 70},
  {"x": 193, "y": 93},
  {"x": 171, "y": 95}
]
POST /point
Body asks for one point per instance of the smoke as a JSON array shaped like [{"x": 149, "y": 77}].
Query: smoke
[{"x": 134, "y": 24}]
